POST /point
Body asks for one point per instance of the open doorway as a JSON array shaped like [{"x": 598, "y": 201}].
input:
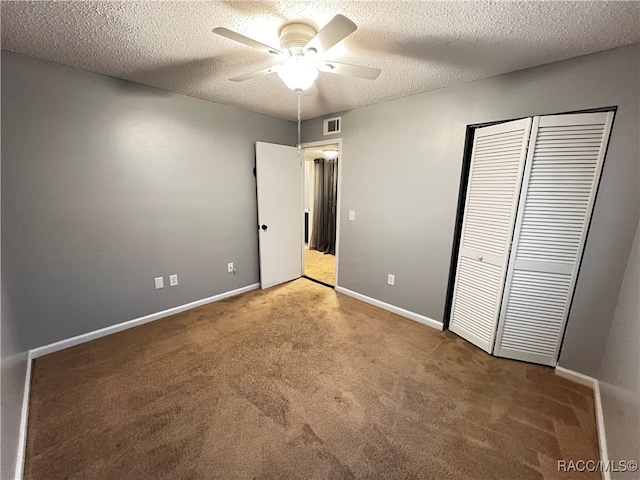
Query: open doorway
[{"x": 320, "y": 211}]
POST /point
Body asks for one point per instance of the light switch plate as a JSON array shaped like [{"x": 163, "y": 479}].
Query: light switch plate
[
  {"x": 173, "y": 280},
  {"x": 159, "y": 282},
  {"x": 352, "y": 215}
]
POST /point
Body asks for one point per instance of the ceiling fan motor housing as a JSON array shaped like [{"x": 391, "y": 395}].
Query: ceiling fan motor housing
[{"x": 295, "y": 35}]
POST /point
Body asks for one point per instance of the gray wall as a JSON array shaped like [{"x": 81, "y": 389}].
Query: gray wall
[
  {"x": 620, "y": 370},
  {"x": 13, "y": 368},
  {"x": 107, "y": 184},
  {"x": 401, "y": 170}
]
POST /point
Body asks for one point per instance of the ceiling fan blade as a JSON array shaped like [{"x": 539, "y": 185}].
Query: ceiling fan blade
[
  {"x": 259, "y": 73},
  {"x": 230, "y": 34},
  {"x": 339, "y": 28},
  {"x": 359, "y": 71}
]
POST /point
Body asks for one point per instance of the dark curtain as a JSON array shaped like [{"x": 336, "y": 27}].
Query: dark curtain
[{"x": 323, "y": 233}]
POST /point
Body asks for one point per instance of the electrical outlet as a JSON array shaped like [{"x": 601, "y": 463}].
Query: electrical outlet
[
  {"x": 391, "y": 279},
  {"x": 230, "y": 268},
  {"x": 159, "y": 282},
  {"x": 173, "y": 280}
]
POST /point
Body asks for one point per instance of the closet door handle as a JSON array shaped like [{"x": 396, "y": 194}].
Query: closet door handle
[
  {"x": 264, "y": 227},
  {"x": 479, "y": 257}
]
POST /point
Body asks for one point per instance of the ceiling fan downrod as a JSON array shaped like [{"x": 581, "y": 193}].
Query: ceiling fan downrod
[{"x": 299, "y": 144}]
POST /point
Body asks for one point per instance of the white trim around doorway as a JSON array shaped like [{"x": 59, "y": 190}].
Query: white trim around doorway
[{"x": 338, "y": 199}]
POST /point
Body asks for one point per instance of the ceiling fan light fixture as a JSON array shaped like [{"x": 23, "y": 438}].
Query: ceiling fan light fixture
[
  {"x": 298, "y": 75},
  {"x": 330, "y": 154}
]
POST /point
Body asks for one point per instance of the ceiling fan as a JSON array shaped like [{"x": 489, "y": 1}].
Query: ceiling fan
[{"x": 301, "y": 52}]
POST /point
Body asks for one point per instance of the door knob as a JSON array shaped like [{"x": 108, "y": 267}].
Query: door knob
[{"x": 264, "y": 227}]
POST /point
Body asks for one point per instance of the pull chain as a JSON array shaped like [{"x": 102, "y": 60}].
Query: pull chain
[{"x": 298, "y": 92}]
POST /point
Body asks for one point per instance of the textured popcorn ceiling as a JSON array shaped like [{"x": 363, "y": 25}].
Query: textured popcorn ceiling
[{"x": 418, "y": 45}]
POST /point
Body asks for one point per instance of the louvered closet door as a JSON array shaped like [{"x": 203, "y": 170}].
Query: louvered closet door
[
  {"x": 563, "y": 170},
  {"x": 495, "y": 177}
]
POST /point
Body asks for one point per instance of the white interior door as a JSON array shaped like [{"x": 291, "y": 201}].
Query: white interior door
[
  {"x": 279, "y": 180},
  {"x": 495, "y": 177},
  {"x": 562, "y": 174}
]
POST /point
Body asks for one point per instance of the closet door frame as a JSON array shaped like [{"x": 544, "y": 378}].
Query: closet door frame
[{"x": 575, "y": 270}]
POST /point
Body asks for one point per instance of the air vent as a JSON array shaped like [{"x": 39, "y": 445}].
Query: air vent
[{"x": 332, "y": 126}]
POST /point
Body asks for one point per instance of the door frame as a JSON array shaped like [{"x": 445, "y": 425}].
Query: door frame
[{"x": 320, "y": 143}]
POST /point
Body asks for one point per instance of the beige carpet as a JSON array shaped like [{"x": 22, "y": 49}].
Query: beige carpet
[
  {"x": 299, "y": 382},
  {"x": 319, "y": 266}
]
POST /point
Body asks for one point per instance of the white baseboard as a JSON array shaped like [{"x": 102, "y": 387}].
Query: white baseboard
[
  {"x": 86, "y": 337},
  {"x": 576, "y": 377},
  {"x": 392, "y": 308},
  {"x": 595, "y": 385},
  {"x": 103, "y": 332},
  {"x": 22, "y": 439},
  {"x": 602, "y": 438}
]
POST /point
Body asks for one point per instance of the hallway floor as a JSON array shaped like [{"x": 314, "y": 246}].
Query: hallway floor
[{"x": 320, "y": 266}]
